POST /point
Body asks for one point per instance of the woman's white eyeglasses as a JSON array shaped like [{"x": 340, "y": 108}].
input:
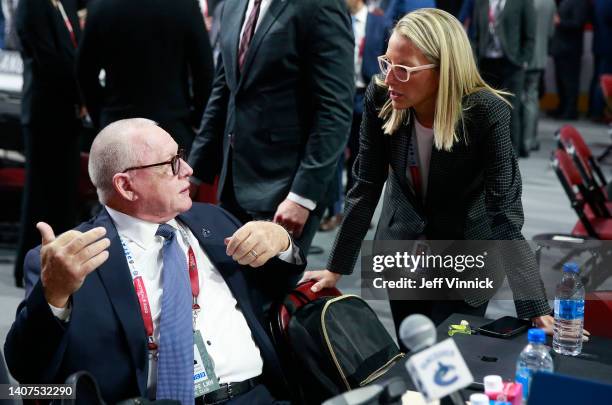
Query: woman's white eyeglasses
[{"x": 401, "y": 73}]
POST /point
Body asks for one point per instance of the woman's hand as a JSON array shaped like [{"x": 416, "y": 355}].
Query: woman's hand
[
  {"x": 546, "y": 322},
  {"x": 325, "y": 279}
]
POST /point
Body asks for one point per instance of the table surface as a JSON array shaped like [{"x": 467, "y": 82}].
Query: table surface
[{"x": 594, "y": 363}]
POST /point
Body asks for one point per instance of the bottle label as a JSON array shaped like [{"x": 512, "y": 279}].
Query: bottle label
[
  {"x": 569, "y": 309},
  {"x": 523, "y": 377}
]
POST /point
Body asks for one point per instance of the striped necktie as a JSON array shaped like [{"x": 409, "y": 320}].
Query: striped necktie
[{"x": 175, "y": 362}]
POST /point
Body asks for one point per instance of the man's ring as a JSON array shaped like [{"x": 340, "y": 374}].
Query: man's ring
[{"x": 254, "y": 253}]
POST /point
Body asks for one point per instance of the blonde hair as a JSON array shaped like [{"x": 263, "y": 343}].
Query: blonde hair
[{"x": 444, "y": 43}]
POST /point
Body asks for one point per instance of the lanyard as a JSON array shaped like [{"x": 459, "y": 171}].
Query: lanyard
[
  {"x": 67, "y": 23},
  {"x": 141, "y": 292}
]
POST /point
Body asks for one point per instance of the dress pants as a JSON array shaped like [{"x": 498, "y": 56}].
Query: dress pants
[
  {"x": 567, "y": 75},
  {"x": 597, "y": 103},
  {"x": 530, "y": 108},
  {"x": 227, "y": 201},
  {"x": 51, "y": 184},
  {"x": 502, "y": 74}
]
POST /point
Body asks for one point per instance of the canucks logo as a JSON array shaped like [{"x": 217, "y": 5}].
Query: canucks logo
[{"x": 442, "y": 377}]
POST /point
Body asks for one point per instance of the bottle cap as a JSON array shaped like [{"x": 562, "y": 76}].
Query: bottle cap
[
  {"x": 493, "y": 383},
  {"x": 536, "y": 335},
  {"x": 571, "y": 267},
  {"x": 479, "y": 399}
]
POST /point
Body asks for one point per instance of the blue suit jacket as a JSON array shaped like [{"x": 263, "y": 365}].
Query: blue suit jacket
[
  {"x": 105, "y": 334},
  {"x": 375, "y": 36},
  {"x": 399, "y": 8}
]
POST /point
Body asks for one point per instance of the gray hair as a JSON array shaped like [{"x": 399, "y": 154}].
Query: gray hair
[{"x": 113, "y": 151}]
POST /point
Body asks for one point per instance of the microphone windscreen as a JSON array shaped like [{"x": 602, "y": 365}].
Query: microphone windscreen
[{"x": 417, "y": 332}]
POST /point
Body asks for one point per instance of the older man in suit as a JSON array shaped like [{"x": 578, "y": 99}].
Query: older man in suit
[
  {"x": 131, "y": 294},
  {"x": 157, "y": 60},
  {"x": 504, "y": 38},
  {"x": 280, "y": 110}
]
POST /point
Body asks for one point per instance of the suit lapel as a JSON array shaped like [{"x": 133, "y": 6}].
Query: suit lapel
[
  {"x": 211, "y": 241},
  {"x": 115, "y": 276},
  {"x": 276, "y": 7}
]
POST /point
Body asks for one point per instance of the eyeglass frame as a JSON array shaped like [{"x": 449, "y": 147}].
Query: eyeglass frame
[
  {"x": 175, "y": 160},
  {"x": 383, "y": 59}
]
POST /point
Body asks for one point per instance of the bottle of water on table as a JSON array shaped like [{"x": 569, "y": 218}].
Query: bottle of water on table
[
  {"x": 534, "y": 357},
  {"x": 569, "y": 312}
]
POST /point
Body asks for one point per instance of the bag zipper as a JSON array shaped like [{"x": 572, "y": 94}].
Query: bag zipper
[{"x": 376, "y": 374}]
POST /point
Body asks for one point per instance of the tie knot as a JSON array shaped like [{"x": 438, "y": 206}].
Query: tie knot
[{"x": 165, "y": 231}]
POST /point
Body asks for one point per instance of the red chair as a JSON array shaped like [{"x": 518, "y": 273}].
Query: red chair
[
  {"x": 572, "y": 142},
  {"x": 578, "y": 194},
  {"x": 598, "y": 313}
]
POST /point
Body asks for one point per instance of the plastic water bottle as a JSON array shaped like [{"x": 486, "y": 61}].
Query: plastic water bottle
[
  {"x": 534, "y": 357},
  {"x": 569, "y": 312}
]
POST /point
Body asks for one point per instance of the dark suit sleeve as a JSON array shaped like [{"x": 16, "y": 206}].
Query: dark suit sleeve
[
  {"x": 199, "y": 56},
  {"x": 34, "y": 344},
  {"x": 206, "y": 155},
  {"x": 370, "y": 173},
  {"x": 275, "y": 278},
  {"x": 528, "y": 31},
  {"x": 36, "y": 31},
  {"x": 331, "y": 67},
  {"x": 576, "y": 17},
  {"x": 89, "y": 65},
  {"x": 503, "y": 189}
]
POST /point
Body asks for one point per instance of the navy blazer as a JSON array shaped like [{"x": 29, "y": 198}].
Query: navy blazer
[
  {"x": 105, "y": 334},
  {"x": 375, "y": 36}
]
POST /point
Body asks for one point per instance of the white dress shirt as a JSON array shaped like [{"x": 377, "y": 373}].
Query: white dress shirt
[
  {"x": 224, "y": 329},
  {"x": 359, "y": 31}
]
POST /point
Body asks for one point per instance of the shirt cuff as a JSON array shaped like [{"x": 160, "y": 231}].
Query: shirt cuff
[
  {"x": 292, "y": 254},
  {"x": 63, "y": 314},
  {"x": 303, "y": 201}
]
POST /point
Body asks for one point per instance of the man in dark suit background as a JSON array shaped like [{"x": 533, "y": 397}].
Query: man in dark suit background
[
  {"x": 81, "y": 294},
  {"x": 503, "y": 42},
  {"x": 566, "y": 48},
  {"x": 157, "y": 60},
  {"x": 280, "y": 110},
  {"x": 49, "y": 118}
]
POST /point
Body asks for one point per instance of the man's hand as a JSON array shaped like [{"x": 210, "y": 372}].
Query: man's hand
[
  {"x": 292, "y": 216},
  {"x": 325, "y": 279},
  {"x": 68, "y": 259},
  {"x": 256, "y": 242},
  {"x": 547, "y": 322}
]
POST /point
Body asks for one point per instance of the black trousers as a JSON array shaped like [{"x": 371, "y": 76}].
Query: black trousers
[
  {"x": 567, "y": 76},
  {"x": 51, "y": 184},
  {"x": 502, "y": 74},
  {"x": 437, "y": 311},
  {"x": 227, "y": 201},
  {"x": 259, "y": 395}
]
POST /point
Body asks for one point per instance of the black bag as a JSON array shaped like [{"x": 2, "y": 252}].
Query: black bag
[{"x": 332, "y": 344}]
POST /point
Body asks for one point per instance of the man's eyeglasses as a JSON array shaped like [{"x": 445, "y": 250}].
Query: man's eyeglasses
[
  {"x": 401, "y": 73},
  {"x": 175, "y": 163}
]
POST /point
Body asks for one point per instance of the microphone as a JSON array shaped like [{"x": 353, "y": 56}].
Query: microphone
[
  {"x": 437, "y": 370},
  {"x": 417, "y": 332}
]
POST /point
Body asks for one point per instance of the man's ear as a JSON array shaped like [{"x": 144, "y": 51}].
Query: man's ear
[{"x": 123, "y": 186}]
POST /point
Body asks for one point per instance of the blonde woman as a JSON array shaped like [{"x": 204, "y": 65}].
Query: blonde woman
[{"x": 439, "y": 137}]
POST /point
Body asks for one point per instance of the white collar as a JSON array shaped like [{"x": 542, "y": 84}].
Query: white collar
[{"x": 136, "y": 230}]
